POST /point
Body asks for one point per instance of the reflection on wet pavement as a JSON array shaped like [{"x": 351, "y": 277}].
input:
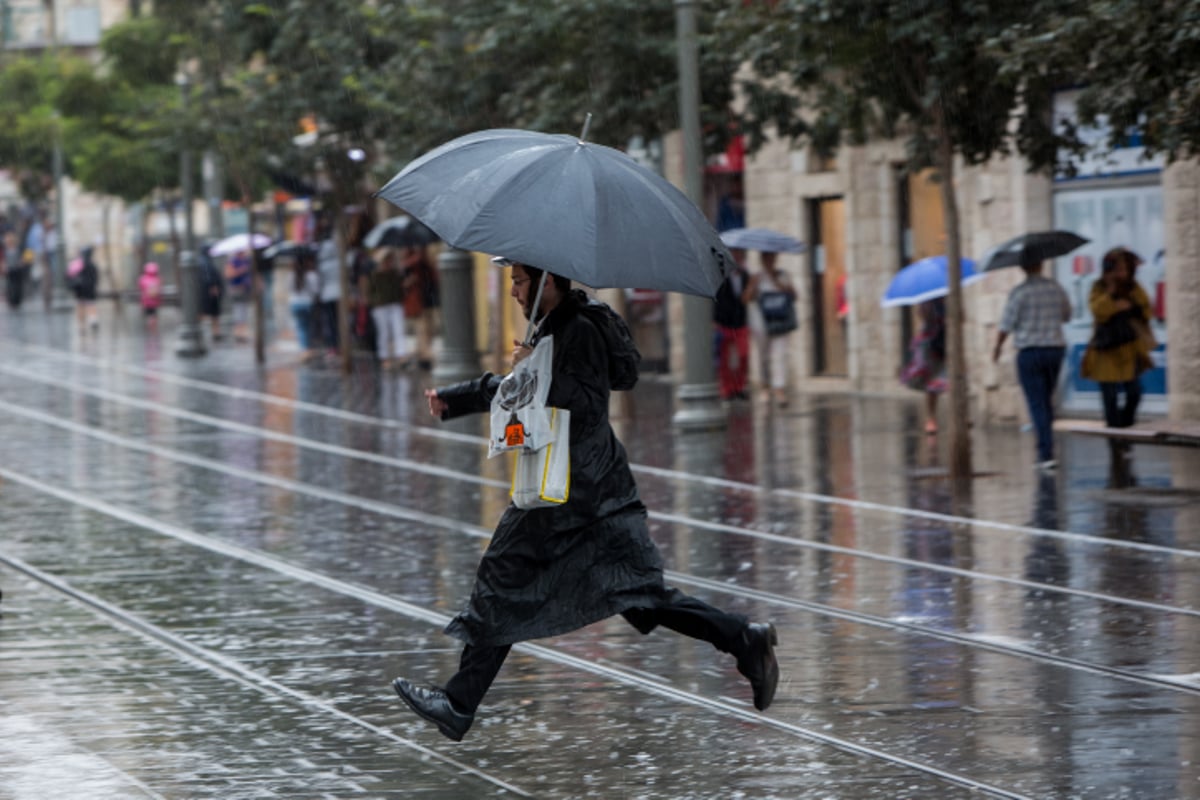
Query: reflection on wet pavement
[{"x": 237, "y": 561}]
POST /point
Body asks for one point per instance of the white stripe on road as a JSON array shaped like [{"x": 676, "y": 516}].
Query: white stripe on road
[
  {"x": 722, "y": 587},
  {"x": 660, "y": 472},
  {"x": 422, "y": 614},
  {"x": 211, "y": 660},
  {"x": 432, "y": 519}
]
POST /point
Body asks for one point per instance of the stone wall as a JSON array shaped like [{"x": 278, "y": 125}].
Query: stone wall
[
  {"x": 997, "y": 201},
  {"x": 1181, "y": 197}
]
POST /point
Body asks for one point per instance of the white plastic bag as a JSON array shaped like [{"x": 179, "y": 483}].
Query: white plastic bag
[
  {"x": 520, "y": 420},
  {"x": 543, "y": 478}
]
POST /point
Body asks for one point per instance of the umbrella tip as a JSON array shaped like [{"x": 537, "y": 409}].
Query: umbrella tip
[{"x": 587, "y": 123}]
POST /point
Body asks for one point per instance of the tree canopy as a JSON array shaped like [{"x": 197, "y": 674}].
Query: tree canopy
[{"x": 1136, "y": 64}]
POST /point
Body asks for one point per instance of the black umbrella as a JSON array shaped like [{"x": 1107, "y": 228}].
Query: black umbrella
[
  {"x": 399, "y": 232},
  {"x": 289, "y": 249},
  {"x": 1039, "y": 245}
]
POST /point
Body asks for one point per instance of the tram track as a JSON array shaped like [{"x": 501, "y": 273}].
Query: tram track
[
  {"x": 1185, "y": 685},
  {"x": 231, "y": 668},
  {"x": 851, "y": 503},
  {"x": 658, "y": 516}
]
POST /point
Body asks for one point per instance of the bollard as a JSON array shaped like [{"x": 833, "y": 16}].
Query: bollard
[
  {"x": 191, "y": 340},
  {"x": 459, "y": 358}
]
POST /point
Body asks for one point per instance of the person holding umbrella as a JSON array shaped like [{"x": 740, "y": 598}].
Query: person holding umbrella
[
  {"x": 732, "y": 334},
  {"x": 548, "y": 571},
  {"x": 1034, "y": 315}
]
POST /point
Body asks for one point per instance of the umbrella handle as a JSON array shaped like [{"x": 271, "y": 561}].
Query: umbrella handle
[{"x": 537, "y": 304}]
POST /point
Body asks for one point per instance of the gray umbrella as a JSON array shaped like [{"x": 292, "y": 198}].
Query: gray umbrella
[
  {"x": 1039, "y": 245},
  {"x": 581, "y": 210}
]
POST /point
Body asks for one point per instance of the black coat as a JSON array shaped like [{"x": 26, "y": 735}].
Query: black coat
[
  {"x": 552, "y": 570},
  {"x": 84, "y": 283}
]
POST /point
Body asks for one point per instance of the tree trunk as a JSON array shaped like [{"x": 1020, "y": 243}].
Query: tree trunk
[
  {"x": 109, "y": 271},
  {"x": 956, "y": 363}
]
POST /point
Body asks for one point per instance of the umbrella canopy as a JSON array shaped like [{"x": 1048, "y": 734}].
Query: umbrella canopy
[
  {"x": 581, "y": 210},
  {"x": 925, "y": 280},
  {"x": 403, "y": 231},
  {"x": 1039, "y": 245},
  {"x": 239, "y": 242},
  {"x": 763, "y": 239},
  {"x": 288, "y": 249}
]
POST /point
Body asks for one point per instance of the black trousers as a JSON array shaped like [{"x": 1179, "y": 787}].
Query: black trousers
[
  {"x": 1116, "y": 415},
  {"x": 478, "y": 666}
]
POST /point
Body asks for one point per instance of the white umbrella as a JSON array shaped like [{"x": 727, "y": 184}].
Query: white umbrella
[
  {"x": 239, "y": 242},
  {"x": 761, "y": 239}
]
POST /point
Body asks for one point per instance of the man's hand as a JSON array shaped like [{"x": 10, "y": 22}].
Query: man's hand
[
  {"x": 1000, "y": 337},
  {"x": 437, "y": 406},
  {"x": 520, "y": 351}
]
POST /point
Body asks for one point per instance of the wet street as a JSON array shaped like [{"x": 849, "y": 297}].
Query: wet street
[{"x": 212, "y": 571}]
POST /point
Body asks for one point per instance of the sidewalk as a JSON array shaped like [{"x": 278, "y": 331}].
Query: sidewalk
[{"x": 213, "y": 569}]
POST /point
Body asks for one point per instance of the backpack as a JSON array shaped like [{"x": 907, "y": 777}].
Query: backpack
[{"x": 623, "y": 355}]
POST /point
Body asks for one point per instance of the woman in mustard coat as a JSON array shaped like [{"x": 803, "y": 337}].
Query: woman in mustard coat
[{"x": 1120, "y": 348}]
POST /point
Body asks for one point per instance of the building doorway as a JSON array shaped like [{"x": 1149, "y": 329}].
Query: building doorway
[
  {"x": 922, "y": 232},
  {"x": 827, "y": 272}
]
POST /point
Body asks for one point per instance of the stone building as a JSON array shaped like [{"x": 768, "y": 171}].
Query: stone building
[{"x": 863, "y": 219}]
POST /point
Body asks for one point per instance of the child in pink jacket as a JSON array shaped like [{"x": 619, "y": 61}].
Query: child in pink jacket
[{"x": 150, "y": 287}]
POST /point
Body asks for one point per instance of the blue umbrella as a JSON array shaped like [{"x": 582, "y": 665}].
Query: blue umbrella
[
  {"x": 925, "y": 280},
  {"x": 762, "y": 239}
]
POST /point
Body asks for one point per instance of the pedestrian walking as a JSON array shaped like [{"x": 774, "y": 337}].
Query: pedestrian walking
[
  {"x": 1119, "y": 350},
  {"x": 83, "y": 277},
  {"x": 150, "y": 291},
  {"x": 420, "y": 300},
  {"x": 551, "y": 570},
  {"x": 304, "y": 292},
  {"x": 212, "y": 289},
  {"x": 1034, "y": 315},
  {"x": 239, "y": 276},
  {"x": 329, "y": 267},
  {"x": 385, "y": 294},
  {"x": 926, "y": 367},
  {"x": 775, "y": 297},
  {"x": 732, "y": 333},
  {"x": 16, "y": 272}
]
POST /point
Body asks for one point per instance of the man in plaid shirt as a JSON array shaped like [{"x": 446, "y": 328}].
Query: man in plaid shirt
[{"x": 1034, "y": 316}]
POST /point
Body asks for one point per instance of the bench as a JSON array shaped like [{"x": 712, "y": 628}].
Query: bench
[{"x": 1159, "y": 431}]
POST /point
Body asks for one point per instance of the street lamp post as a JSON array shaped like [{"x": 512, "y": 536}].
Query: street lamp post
[
  {"x": 54, "y": 295},
  {"x": 190, "y": 343},
  {"x": 699, "y": 406}
]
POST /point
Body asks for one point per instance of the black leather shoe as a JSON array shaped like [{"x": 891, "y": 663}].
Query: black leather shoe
[
  {"x": 757, "y": 662},
  {"x": 434, "y": 706}
]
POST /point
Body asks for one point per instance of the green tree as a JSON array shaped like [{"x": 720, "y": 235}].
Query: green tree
[
  {"x": 544, "y": 65},
  {"x": 28, "y": 122},
  {"x": 844, "y": 71},
  {"x": 1137, "y": 66}
]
